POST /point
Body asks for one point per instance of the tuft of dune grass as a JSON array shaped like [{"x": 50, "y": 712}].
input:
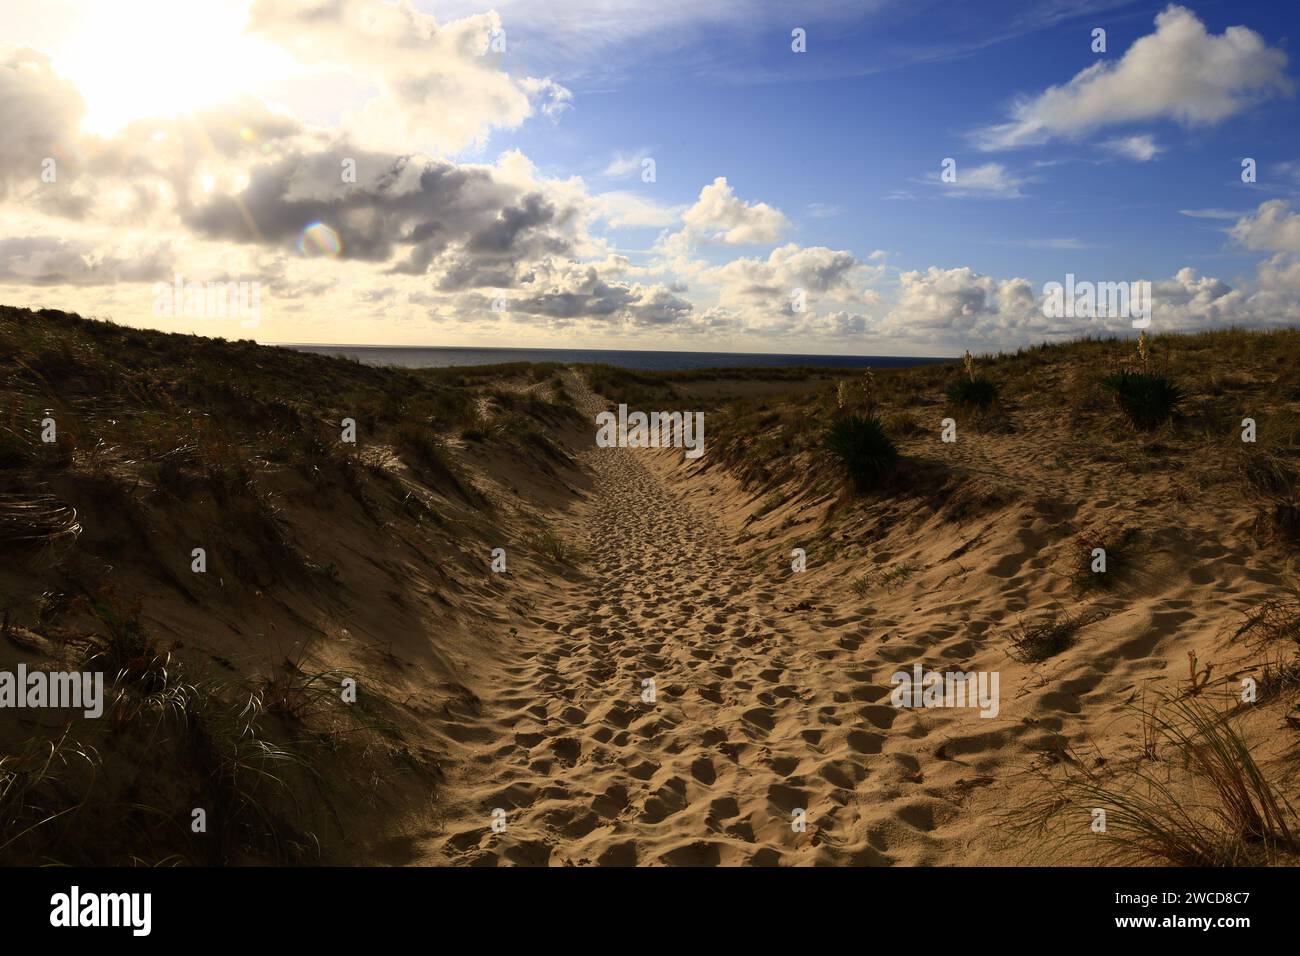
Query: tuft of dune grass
[
  {"x": 1198, "y": 797},
  {"x": 551, "y": 545}
]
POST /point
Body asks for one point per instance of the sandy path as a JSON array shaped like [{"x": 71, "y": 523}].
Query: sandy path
[
  {"x": 764, "y": 705},
  {"x": 586, "y": 769}
]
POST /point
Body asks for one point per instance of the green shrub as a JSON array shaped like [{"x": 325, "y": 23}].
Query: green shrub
[
  {"x": 1147, "y": 399},
  {"x": 864, "y": 448},
  {"x": 977, "y": 392}
]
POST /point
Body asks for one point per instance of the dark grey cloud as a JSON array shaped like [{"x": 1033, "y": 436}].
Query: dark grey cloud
[
  {"x": 426, "y": 214},
  {"x": 46, "y": 261},
  {"x": 585, "y": 294}
]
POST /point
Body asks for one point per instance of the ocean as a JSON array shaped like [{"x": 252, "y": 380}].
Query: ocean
[{"x": 442, "y": 357}]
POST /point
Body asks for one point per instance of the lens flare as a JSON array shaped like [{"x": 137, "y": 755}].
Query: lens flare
[{"x": 319, "y": 239}]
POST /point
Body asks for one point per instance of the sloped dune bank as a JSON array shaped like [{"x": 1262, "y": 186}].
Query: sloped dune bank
[{"x": 774, "y": 733}]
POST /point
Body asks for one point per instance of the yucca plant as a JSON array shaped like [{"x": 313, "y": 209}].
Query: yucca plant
[
  {"x": 863, "y": 447},
  {"x": 973, "y": 391},
  {"x": 1147, "y": 398},
  {"x": 861, "y": 399}
]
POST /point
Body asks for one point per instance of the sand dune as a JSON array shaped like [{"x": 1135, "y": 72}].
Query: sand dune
[
  {"x": 674, "y": 694},
  {"x": 772, "y": 689}
]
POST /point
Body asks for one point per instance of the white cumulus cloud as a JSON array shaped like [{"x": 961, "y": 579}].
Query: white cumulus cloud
[
  {"x": 720, "y": 216},
  {"x": 1273, "y": 227},
  {"x": 442, "y": 86},
  {"x": 1180, "y": 72}
]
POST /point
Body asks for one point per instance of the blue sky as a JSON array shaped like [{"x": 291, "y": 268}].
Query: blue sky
[
  {"x": 867, "y": 125},
  {"x": 779, "y": 175}
]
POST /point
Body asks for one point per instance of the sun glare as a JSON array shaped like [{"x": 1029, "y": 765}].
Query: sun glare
[{"x": 141, "y": 58}]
